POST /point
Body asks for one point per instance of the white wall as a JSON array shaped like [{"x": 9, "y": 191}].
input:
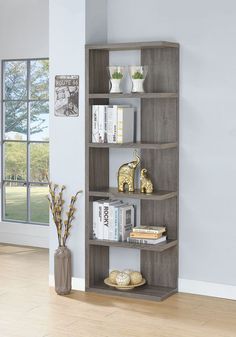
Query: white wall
[
  {"x": 206, "y": 32},
  {"x": 69, "y": 22},
  {"x": 24, "y": 26}
]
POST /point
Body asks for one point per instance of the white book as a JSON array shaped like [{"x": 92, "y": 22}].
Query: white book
[
  {"x": 95, "y": 129},
  {"x": 111, "y": 227},
  {"x": 147, "y": 241},
  {"x": 116, "y": 222},
  {"x": 101, "y": 123},
  {"x": 100, "y": 220},
  {"x": 126, "y": 221},
  {"x": 125, "y": 122},
  {"x": 111, "y": 125},
  {"x": 95, "y": 220},
  {"x": 105, "y": 220}
]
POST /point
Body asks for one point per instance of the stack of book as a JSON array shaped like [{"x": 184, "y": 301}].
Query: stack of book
[
  {"x": 112, "y": 220},
  {"x": 112, "y": 124},
  {"x": 151, "y": 235}
]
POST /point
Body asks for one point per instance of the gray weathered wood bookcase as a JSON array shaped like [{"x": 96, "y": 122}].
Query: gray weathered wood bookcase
[{"x": 159, "y": 154}]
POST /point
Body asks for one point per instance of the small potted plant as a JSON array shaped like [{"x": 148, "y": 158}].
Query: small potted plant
[
  {"x": 62, "y": 256},
  {"x": 116, "y": 74},
  {"x": 138, "y": 75}
]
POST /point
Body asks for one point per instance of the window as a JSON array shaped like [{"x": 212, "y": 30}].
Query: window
[{"x": 25, "y": 140}]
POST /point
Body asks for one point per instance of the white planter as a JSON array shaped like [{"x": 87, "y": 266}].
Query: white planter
[
  {"x": 137, "y": 85},
  {"x": 115, "y": 86}
]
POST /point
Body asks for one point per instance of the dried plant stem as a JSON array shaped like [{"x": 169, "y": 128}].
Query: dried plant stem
[{"x": 56, "y": 203}]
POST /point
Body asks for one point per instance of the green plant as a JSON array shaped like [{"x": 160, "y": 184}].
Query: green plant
[
  {"x": 117, "y": 75},
  {"x": 137, "y": 76}
]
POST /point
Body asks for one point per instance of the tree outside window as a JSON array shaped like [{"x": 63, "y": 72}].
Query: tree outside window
[{"x": 25, "y": 140}]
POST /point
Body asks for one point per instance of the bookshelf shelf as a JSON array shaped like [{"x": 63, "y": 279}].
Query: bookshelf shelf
[
  {"x": 112, "y": 192},
  {"x": 146, "y": 292},
  {"x": 137, "y": 145},
  {"x": 160, "y": 247},
  {"x": 157, "y": 129},
  {"x": 145, "y": 95}
]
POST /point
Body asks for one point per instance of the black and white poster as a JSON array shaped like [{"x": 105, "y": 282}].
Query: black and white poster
[{"x": 66, "y": 95}]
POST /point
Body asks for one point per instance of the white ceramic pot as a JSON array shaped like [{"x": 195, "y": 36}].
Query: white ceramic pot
[
  {"x": 137, "y": 85},
  {"x": 115, "y": 86}
]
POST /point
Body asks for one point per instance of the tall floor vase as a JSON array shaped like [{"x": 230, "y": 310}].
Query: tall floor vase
[{"x": 62, "y": 270}]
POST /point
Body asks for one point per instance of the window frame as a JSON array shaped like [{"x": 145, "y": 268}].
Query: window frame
[{"x": 27, "y": 183}]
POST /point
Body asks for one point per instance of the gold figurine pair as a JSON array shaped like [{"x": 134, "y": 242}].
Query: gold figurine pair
[{"x": 126, "y": 174}]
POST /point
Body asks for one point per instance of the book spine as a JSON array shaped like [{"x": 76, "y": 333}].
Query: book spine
[
  {"x": 151, "y": 231},
  {"x": 145, "y": 235},
  {"x": 111, "y": 231},
  {"x": 116, "y": 222},
  {"x": 119, "y": 125},
  {"x": 105, "y": 124},
  {"x": 100, "y": 221},
  {"x": 126, "y": 222},
  {"x": 147, "y": 241},
  {"x": 112, "y": 125},
  {"x": 105, "y": 221},
  {"x": 95, "y": 117},
  {"x": 101, "y": 124},
  {"x": 95, "y": 220}
]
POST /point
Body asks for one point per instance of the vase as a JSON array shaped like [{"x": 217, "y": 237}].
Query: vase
[
  {"x": 138, "y": 75},
  {"x": 116, "y": 75},
  {"x": 62, "y": 270},
  {"x": 137, "y": 85},
  {"x": 115, "y": 86}
]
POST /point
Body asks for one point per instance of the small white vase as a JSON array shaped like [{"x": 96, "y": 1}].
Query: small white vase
[
  {"x": 115, "y": 86},
  {"x": 137, "y": 85}
]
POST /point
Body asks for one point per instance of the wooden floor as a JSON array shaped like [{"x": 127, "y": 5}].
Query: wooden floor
[{"x": 28, "y": 308}]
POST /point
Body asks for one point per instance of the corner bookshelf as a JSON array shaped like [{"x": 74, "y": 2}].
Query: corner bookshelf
[{"x": 159, "y": 154}]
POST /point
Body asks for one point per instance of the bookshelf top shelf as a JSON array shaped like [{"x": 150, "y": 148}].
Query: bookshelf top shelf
[
  {"x": 135, "y": 95},
  {"x": 112, "y": 192},
  {"x": 160, "y": 247},
  {"x": 133, "y": 45}
]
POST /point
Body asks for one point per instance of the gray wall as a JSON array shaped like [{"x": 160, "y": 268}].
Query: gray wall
[
  {"x": 206, "y": 31},
  {"x": 70, "y": 28},
  {"x": 24, "y": 33}
]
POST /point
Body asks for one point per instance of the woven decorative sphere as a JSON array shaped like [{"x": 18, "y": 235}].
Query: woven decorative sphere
[
  {"x": 112, "y": 276},
  {"x": 122, "y": 279},
  {"x": 128, "y": 271},
  {"x": 135, "y": 277}
]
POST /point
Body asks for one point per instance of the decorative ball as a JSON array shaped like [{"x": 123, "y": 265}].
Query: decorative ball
[
  {"x": 136, "y": 277},
  {"x": 112, "y": 276},
  {"x": 122, "y": 279},
  {"x": 128, "y": 271}
]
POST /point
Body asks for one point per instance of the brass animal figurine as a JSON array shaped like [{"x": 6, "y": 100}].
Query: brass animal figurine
[
  {"x": 146, "y": 183},
  {"x": 126, "y": 175}
]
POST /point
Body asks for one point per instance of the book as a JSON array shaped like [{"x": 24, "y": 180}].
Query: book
[
  {"x": 112, "y": 232},
  {"x": 116, "y": 222},
  {"x": 142, "y": 235},
  {"x": 101, "y": 123},
  {"x": 149, "y": 229},
  {"x": 98, "y": 219},
  {"x": 107, "y": 225},
  {"x": 147, "y": 241},
  {"x": 111, "y": 125},
  {"x": 95, "y": 128},
  {"x": 126, "y": 221},
  {"x": 125, "y": 124}
]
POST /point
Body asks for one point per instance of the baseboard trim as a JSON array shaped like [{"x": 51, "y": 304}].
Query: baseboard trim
[
  {"x": 207, "y": 289},
  {"x": 77, "y": 283}
]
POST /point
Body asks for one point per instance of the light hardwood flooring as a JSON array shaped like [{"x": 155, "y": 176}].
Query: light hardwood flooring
[{"x": 28, "y": 308}]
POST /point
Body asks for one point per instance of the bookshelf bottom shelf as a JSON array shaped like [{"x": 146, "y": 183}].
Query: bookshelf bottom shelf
[{"x": 146, "y": 292}]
